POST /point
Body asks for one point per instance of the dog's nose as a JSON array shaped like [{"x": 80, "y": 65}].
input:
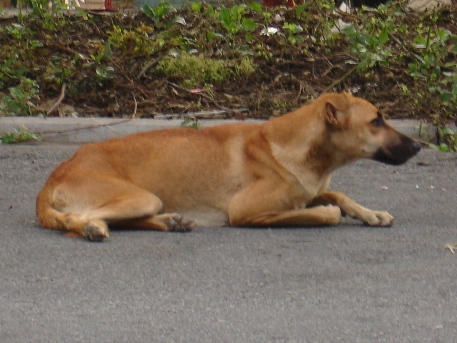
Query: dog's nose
[{"x": 416, "y": 147}]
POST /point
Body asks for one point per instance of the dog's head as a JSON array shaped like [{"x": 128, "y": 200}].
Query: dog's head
[{"x": 359, "y": 130}]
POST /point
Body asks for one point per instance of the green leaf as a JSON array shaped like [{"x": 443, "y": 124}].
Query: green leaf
[
  {"x": 420, "y": 43},
  {"x": 16, "y": 92},
  {"x": 148, "y": 11},
  {"x": 107, "y": 52},
  {"x": 193, "y": 124},
  {"x": 196, "y": 7},
  {"x": 18, "y": 136},
  {"x": 300, "y": 8},
  {"x": 443, "y": 147},
  {"x": 237, "y": 12},
  {"x": 383, "y": 36},
  {"x": 421, "y": 60},
  {"x": 255, "y": 6},
  {"x": 248, "y": 24},
  {"x": 210, "y": 11},
  {"x": 447, "y": 131},
  {"x": 224, "y": 16},
  {"x": 210, "y": 35}
]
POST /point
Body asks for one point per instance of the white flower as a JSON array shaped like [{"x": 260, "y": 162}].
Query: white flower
[{"x": 268, "y": 31}]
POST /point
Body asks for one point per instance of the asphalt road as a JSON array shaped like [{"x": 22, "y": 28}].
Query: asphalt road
[{"x": 346, "y": 284}]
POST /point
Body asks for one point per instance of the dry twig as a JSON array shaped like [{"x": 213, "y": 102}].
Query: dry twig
[{"x": 58, "y": 101}]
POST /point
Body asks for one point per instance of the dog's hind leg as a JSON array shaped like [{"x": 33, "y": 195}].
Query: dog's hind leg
[
  {"x": 87, "y": 210},
  {"x": 133, "y": 211},
  {"x": 163, "y": 222},
  {"x": 138, "y": 210}
]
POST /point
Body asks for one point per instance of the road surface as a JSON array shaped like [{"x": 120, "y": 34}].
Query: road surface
[{"x": 349, "y": 283}]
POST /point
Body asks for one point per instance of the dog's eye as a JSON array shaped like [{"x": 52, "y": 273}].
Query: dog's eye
[{"x": 378, "y": 122}]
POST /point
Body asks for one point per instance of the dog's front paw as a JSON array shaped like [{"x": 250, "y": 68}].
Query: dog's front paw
[
  {"x": 377, "y": 218},
  {"x": 96, "y": 230}
]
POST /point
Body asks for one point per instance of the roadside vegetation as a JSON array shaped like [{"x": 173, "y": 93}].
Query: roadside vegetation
[{"x": 236, "y": 59}]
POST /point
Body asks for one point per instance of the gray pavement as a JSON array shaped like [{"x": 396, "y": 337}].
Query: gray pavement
[
  {"x": 346, "y": 284},
  {"x": 83, "y": 130}
]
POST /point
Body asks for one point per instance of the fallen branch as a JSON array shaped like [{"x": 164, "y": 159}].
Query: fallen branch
[
  {"x": 199, "y": 115},
  {"x": 58, "y": 101},
  {"x": 146, "y": 68},
  {"x": 86, "y": 127},
  {"x": 134, "y": 109},
  {"x": 70, "y": 51}
]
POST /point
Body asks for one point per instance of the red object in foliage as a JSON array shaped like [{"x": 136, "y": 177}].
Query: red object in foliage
[
  {"x": 108, "y": 5},
  {"x": 288, "y": 3}
]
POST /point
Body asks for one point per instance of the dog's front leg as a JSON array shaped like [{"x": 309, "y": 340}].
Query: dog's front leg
[
  {"x": 267, "y": 205},
  {"x": 316, "y": 216},
  {"x": 351, "y": 208}
]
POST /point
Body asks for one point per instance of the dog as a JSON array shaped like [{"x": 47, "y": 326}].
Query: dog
[{"x": 274, "y": 173}]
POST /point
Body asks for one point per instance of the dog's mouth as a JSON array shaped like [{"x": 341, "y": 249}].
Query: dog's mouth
[{"x": 397, "y": 154}]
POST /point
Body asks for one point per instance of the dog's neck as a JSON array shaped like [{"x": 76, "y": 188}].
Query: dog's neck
[{"x": 307, "y": 155}]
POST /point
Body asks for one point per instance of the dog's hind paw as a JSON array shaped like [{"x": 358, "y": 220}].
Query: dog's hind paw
[
  {"x": 96, "y": 231},
  {"x": 181, "y": 224}
]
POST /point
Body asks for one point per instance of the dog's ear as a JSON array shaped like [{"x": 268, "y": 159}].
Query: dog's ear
[{"x": 335, "y": 109}]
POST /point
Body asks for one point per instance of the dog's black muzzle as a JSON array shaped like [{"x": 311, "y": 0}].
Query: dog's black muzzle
[{"x": 399, "y": 153}]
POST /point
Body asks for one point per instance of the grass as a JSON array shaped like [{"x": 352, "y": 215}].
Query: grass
[
  {"x": 18, "y": 136},
  {"x": 243, "y": 55}
]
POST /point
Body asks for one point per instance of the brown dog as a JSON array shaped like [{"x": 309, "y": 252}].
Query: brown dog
[{"x": 270, "y": 174}]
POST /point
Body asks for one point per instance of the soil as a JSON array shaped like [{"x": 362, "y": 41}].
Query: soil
[{"x": 289, "y": 69}]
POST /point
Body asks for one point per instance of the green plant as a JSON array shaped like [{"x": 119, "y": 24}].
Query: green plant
[
  {"x": 104, "y": 53},
  {"x": 102, "y": 72},
  {"x": 17, "y": 31},
  {"x": 368, "y": 48},
  {"x": 447, "y": 140},
  {"x": 194, "y": 71},
  {"x": 440, "y": 77},
  {"x": 59, "y": 70},
  {"x": 245, "y": 67},
  {"x": 49, "y": 12},
  {"x": 137, "y": 42},
  {"x": 23, "y": 37},
  {"x": 300, "y": 10},
  {"x": 422, "y": 131},
  {"x": 193, "y": 124},
  {"x": 17, "y": 136},
  {"x": 402, "y": 60},
  {"x": 292, "y": 31},
  {"x": 19, "y": 98},
  {"x": 196, "y": 6},
  {"x": 317, "y": 27},
  {"x": 158, "y": 14},
  {"x": 10, "y": 70},
  {"x": 233, "y": 21}
]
